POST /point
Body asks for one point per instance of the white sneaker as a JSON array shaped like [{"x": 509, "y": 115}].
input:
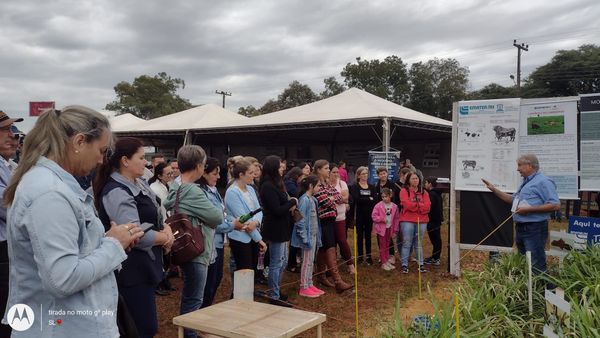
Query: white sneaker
[
  {"x": 386, "y": 267},
  {"x": 391, "y": 265},
  {"x": 392, "y": 260}
]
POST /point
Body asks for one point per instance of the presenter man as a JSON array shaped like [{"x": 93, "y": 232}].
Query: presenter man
[{"x": 532, "y": 204}]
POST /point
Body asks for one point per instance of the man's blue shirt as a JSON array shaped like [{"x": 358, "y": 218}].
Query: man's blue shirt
[{"x": 536, "y": 189}]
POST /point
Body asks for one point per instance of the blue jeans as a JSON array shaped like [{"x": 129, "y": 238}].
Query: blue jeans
[
  {"x": 194, "y": 281},
  {"x": 532, "y": 236},
  {"x": 213, "y": 278},
  {"x": 410, "y": 240},
  {"x": 278, "y": 254}
]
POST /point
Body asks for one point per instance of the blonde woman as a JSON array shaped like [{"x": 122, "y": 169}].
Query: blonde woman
[{"x": 62, "y": 258}]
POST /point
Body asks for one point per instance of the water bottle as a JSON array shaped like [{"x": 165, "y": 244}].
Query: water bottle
[{"x": 261, "y": 261}]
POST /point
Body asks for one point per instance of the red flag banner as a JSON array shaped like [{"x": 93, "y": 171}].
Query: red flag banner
[{"x": 37, "y": 108}]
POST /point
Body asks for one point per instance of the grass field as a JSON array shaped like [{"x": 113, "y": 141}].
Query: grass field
[{"x": 546, "y": 125}]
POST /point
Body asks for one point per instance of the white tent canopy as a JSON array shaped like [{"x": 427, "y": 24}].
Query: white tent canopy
[
  {"x": 205, "y": 116},
  {"x": 353, "y": 104},
  {"x": 125, "y": 122}
]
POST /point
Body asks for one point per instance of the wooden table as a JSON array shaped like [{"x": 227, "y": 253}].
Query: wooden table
[{"x": 244, "y": 318}]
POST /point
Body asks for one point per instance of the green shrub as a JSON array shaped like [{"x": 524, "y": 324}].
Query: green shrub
[{"x": 495, "y": 301}]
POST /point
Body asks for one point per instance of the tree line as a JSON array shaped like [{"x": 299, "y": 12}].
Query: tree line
[{"x": 429, "y": 87}]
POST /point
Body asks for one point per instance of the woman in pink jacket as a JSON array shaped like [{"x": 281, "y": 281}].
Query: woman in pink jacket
[
  {"x": 385, "y": 223},
  {"x": 414, "y": 217}
]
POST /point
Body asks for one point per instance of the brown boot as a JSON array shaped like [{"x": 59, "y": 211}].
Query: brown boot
[
  {"x": 340, "y": 285},
  {"x": 320, "y": 276}
]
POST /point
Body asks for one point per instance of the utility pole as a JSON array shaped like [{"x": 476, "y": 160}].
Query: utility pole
[
  {"x": 520, "y": 47},
  {"x": 220, "y": 92}
]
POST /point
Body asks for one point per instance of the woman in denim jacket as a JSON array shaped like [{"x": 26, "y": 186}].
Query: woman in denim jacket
[
  {"x": 62, "y": 260},
  {"x": 208, "y": 182}
]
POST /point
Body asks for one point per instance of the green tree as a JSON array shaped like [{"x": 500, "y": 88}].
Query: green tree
[
  {"x": 149, "y": 96},
  {"x": 493, "y": 91},
  {"x": 248, "y": 111},
  {"x": 436, "y": 84},
  {"x": 570, "y": 72},
  {"x": 269, "y": 107},
  {"x": 297, "y": 94},
  {"x": 387, "y": 79},
  {"x": 332, "y": 87}
]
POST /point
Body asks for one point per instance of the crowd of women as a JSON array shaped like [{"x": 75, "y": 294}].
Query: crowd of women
[{"x": 105, "y": 248}]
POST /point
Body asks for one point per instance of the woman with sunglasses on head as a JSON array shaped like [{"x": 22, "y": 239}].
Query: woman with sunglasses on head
[
  {"x": 62, "y": 258},
  {"x": 123, "y": 196}
]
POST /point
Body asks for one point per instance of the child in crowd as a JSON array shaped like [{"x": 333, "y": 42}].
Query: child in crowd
[
  {"x": 386, "y": 220},
  {"x": 306, "y": 235}
]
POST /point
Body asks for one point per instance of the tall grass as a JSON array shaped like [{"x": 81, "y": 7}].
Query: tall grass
[{"x": 494, "y": 302}]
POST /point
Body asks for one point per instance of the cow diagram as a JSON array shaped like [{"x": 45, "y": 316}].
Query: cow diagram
[
  {"x": 504, "y": 134},
  {"x": 470, "y": 166}
]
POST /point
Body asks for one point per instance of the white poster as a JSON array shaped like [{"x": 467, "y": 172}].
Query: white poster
[
  {"x": 549, "y": 130},
  {"x": 590, "y": 142},
  {"x": 487, "y": 146}
]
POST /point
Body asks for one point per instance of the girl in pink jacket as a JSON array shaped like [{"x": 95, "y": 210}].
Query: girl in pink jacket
[{"x": 385, "y": 224}]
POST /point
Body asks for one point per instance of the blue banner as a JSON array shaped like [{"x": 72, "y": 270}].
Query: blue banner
[
  {"x": 389, "y": 160},
  {"x": 585, "y": 226}
]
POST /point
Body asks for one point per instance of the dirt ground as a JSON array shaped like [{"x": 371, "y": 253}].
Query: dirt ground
[{"x": 378, "y": 293}]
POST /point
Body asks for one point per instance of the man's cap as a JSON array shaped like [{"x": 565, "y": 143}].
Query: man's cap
[{"x": 5, "y": 120}]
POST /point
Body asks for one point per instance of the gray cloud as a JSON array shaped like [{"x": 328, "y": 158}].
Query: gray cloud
[{"x": 76, "y": 51}]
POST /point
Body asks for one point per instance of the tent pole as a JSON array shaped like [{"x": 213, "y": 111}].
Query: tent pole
[{"x": 386, "y": 134}]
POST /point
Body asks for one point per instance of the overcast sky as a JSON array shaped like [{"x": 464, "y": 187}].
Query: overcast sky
[{"x": 74, "y": 52}]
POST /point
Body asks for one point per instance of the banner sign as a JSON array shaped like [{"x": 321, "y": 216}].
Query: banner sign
[
  {"x": 488, "y": 144},
  {"x": 585, "y": 227},
  {"x": 549, "y": 130},
  {"x": 590, "y": 142},
  {"x": 389, "y": 160},
  {"x": 37, "y": 108}
]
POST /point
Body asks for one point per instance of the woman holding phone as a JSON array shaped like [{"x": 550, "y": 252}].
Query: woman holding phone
[{"x": 121, "y": 197}]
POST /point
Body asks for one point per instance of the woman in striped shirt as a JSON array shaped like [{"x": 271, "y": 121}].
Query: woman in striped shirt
[{"x": 328, "y": 198}]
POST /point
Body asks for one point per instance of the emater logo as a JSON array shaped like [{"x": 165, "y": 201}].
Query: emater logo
[
  {"x": 464, "y": 110},
  {"x": 20, "y": 317}
]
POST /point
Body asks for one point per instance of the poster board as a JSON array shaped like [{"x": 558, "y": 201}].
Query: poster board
[
  {"x": 487, "y": 144},
  {"x": 590, "y": 142},
  {"x": 549, "y": 130}
]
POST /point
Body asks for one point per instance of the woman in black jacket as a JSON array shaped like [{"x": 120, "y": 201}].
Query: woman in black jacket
[
  {"x": 277, "y": 223},
  {"x": 363, "y": 201}
]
